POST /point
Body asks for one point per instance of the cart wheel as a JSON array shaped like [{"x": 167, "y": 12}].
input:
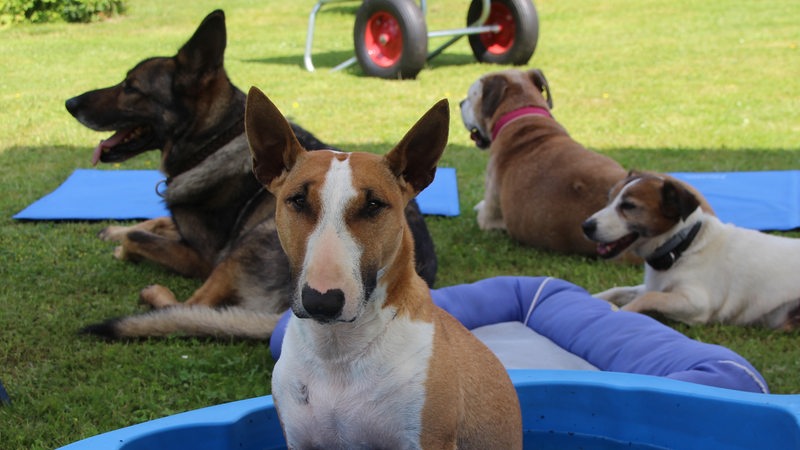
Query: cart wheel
[
  {"x": 391, "y": 39},
  {"x": 516, "y": 40}
]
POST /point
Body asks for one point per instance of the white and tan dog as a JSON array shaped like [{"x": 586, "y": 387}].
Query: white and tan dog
[
  {"x": 540, "y": 183},
  {"x": 698, "y": 269},
  {"x": 368, "y": 360}
]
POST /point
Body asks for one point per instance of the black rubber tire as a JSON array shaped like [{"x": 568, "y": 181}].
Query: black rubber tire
[
  {"x": 412, "y": 30},
  {"x": 525, "y": 33}
]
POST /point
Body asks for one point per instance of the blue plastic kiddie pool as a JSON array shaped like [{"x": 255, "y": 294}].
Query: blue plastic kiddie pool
[{"x": 644, "y": 386}]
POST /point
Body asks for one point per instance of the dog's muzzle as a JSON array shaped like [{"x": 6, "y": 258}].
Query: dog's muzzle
[{"x": 320, "y": 306}]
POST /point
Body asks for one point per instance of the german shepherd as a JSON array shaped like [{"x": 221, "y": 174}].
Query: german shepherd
[{"x": 222, "y": 226}]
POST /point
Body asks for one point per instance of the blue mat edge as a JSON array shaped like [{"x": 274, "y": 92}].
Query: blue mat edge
[{"x": 440, "y": 198}]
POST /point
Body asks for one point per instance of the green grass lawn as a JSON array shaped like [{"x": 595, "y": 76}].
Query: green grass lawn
[{"x": 657, "y": 84}]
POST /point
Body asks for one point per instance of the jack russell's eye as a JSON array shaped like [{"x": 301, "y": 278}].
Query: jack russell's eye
[{"x": 627, "y": 206}]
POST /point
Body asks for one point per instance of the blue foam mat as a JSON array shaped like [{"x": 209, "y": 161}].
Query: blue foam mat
[
  {"x": 765, "y": 200},
  {"x": 92, "y": 194}
]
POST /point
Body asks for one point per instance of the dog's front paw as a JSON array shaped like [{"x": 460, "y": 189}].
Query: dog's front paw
[
  {"x": 487, "y": 221},
  {"x": 123, "y": 255},
  {"x": 113, "y": 233},
  {"x": 618, "y": 296},
  {"x": 157, "y": 296}
]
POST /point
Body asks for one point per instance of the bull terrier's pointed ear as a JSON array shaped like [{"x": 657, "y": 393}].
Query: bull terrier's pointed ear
[
  {"x": 273, "y": 145},
  {"x": 415, "y": 157}
]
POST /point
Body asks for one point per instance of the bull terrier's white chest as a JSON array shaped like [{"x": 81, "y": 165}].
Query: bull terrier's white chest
[{"x": 371, "y": 399}]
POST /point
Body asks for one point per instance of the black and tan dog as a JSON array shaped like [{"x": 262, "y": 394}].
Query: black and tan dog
[
  {"x": 222, "y": 227},
  {"x": 540, "y": 183}
]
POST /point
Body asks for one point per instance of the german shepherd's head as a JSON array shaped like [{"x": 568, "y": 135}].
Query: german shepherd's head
[{"x": 169, "y": 103}]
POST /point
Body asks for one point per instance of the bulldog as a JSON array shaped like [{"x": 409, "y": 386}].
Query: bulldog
[{"x": 540, "y": 183}]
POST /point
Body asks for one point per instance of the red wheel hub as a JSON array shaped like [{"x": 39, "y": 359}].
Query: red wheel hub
[
  {"x": 383, "y": 39},
  {"x": 502, "y": 41}
]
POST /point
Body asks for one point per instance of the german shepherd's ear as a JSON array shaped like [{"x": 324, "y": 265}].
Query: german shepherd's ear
[
  {"x": 677, "y": 201},
  {"x": 415, "y": 157},
  {"x": 537, "y": 76},
  {"x": 205, "y": 50},
  {"x": 273, "y": 145}
]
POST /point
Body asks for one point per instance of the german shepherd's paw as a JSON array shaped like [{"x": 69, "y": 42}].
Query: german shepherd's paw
[
  {"x": 157, "y": 296},
  {"x": 122, "y": 254},
  {"x": 113, "y": 233}
]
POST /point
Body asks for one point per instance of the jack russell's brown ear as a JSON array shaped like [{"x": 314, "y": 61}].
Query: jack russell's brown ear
[
  {"x": 677, "y": 202},
  {"x": 273, "y": 145},
  {"x": 415, "y": 157}
]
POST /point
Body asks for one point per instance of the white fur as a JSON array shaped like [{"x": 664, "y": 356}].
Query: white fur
[
  {"x": 468, "y": 106},
  {"x": 610, "y": 225},
  {"x": 728, "y": 274},
  {"x": 326, "y": 401},
  {"x": 333, "y": 254},
  {"x": 489, "y": 214}
]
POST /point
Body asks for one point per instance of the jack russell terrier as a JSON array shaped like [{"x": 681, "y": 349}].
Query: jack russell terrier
[{"x": 698, "y": 269}]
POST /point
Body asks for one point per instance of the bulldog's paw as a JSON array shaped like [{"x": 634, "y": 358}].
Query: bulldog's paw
[{"x": 488, "y": 221}]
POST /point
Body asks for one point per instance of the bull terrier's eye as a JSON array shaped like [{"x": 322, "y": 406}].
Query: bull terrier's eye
[
  {"x": 298, "y": 202},
  {"x": 372, "y": 208}
]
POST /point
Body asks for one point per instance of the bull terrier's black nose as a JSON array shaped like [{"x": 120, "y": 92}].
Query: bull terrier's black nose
[
  {"x": 323, "y": 306},
  {"x": 589, "y": 227}
]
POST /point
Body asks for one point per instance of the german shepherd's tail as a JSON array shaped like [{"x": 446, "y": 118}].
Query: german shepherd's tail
[{"x": 195, "y": 321}]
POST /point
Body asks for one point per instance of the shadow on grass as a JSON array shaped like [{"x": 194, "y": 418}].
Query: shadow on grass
[
  {"x": 25, "y": 161},
  {"x": 324, "y": 61},
  {"x": 321, "y": 60},
  {"x": 706, "y": 160}
]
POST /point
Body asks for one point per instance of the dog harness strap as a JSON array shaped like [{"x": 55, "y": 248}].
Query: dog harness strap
[
  {"x": 526, "y": 111},
  {"x": 666, "y": 255}
]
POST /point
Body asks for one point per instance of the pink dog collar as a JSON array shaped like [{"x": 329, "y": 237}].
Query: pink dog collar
[{"x": 526, "y": 111}]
